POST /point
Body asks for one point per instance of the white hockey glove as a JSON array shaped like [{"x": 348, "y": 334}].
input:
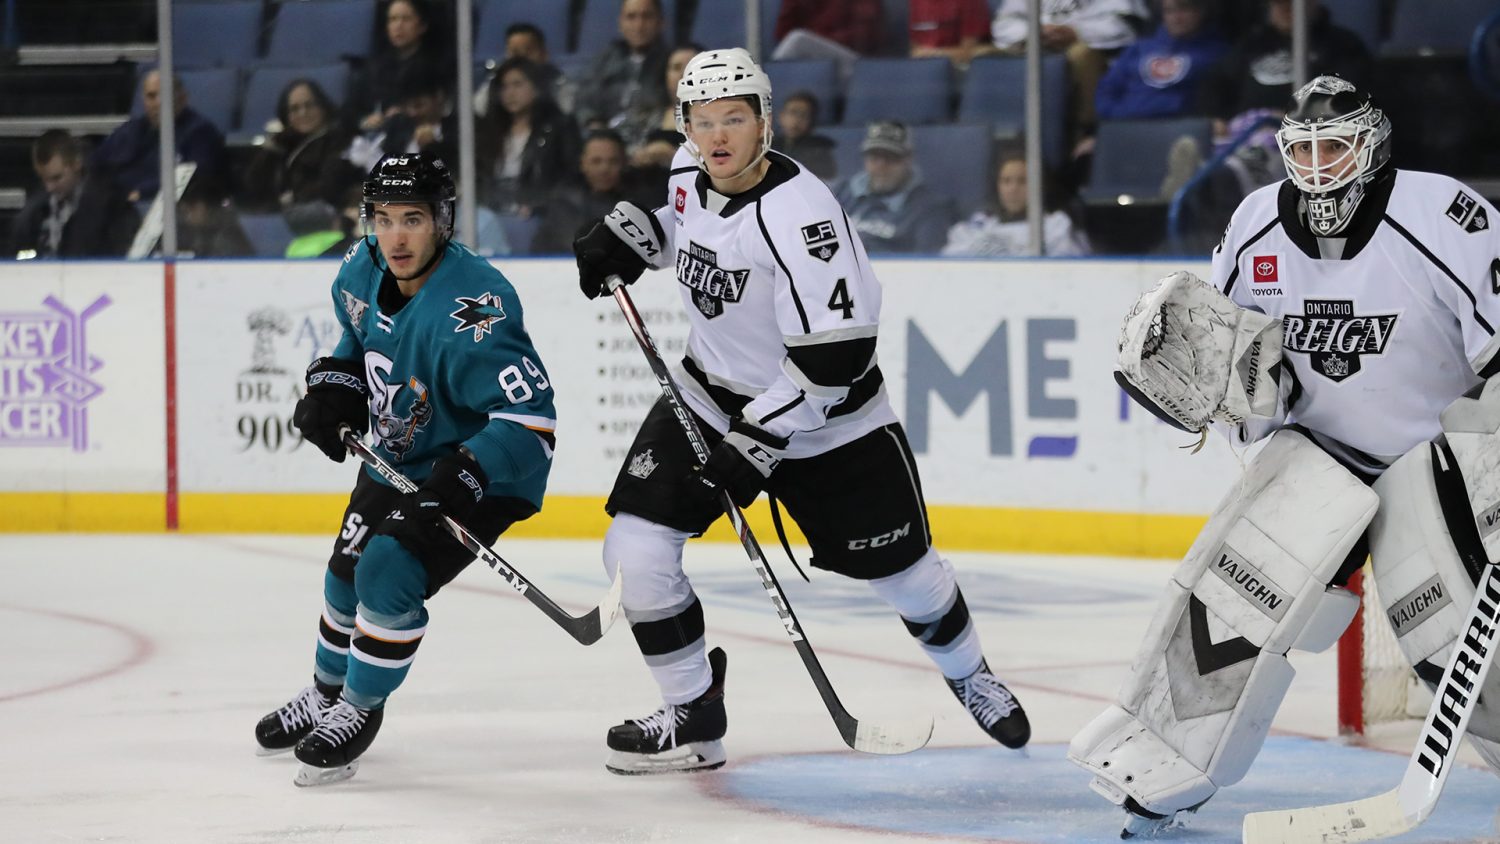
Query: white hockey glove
[{"x": 1197, "y": 356}]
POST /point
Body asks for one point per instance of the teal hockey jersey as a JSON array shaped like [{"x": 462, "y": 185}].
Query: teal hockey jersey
[{"x": 451, "y": 366}]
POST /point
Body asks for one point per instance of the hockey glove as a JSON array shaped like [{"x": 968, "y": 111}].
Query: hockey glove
[
  {"x": 336, "y": 398},
  {"x": 741, "y": 464},
  {"x": 627, "y": 241},
  {"x": 454, "y": 489}
]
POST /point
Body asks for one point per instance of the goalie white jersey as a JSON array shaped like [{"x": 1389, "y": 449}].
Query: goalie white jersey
[
  {"x": 1383, "y": 328},
  {"x": 783, "y": 307}
]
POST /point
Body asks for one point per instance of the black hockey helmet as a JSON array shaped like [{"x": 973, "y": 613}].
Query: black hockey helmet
[
  {"x": 1344, "y": 141},
  {"x": 412, "y": 178}
]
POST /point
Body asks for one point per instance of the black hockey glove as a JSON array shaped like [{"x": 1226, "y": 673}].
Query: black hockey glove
[
  {"x": 454, "y": 489},
  {"x": 624, "y": 243},
  {"x": 336, "y": 398},
  {"x": 741, "y": 464}
]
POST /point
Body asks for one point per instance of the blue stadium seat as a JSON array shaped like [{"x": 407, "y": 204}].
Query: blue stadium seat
[
  {"x": 995, "y": 91},
  {"x": 846, "y": 155},
  {"x": 910, "y": 90},
  {"x": 1420, "y": 27},
  {"x": 1362, "y": 17},
  {"x": 816, "y": 76},
  {"x": 264, "y": 85},
  {"x": 519, "y": 232},
  {"x": 721, "y": 23},
  {"x": 1130, "y": 156},
  {"x": 321, "y": 31},
  {"x": 954, "y": 160},
  {"x": 268, "y": 234},
  {"x": 496, "y": 16},
  {"x": 599, "y": 24},
  {"x": 213, "y": 92},
  {"x": 215, "y": 34}
]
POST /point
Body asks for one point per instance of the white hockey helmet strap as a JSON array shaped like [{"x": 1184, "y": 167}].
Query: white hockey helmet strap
[
  {"x": 723, "y": 74},
  {"x": 1332, "y": 182}
]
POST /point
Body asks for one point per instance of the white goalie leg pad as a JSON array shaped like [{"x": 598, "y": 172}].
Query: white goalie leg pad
[
  {"x": 1212, "y": 670},
  {"x": 1422, "y": 570}
]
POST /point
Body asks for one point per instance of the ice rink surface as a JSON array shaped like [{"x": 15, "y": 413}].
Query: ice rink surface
[{"x": 143, "y": 662}]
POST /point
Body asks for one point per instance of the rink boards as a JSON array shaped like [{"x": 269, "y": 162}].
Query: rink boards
[{"x": 138, "y": 396}]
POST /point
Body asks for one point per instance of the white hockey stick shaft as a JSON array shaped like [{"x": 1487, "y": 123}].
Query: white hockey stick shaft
[{"x": 1407, "y": 805}]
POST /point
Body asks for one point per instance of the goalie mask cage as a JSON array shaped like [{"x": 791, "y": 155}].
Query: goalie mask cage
[{"x": 1376, "y": 685}]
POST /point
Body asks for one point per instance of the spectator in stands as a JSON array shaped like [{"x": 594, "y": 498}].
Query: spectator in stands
[
  {"x": 415, "y": 43},
  {"x": 842, "y": 30},
  {"x": 422, "y": 123},
  {"x": 207, "y": 224},
  {"x": 299, "y": 162},
  {"x": 1003, "y": 228},
  {"x": 1257, "y": 71},
  {"x": 76, "y": 214},
  {"x": 525, "y": 145},
  {"x": 626, "y": 76},
  {"x": 573, "y": 206},
  {"x": 651, "y": 136},
  {"x": 795, "y": 135},
  {"x": 890, "y": 206},
  {"x": 130, "y": 154},
  {"x": 1087, "y": 32},
  {"x": 525, "y": 41},
  {"x": 1159, "y": 76},
  {"x": 954, "y": 29}
]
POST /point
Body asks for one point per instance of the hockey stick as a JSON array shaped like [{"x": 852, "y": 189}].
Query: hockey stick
[
  {"x": 864, "y": 736},
  {"x": 1407, "y": 805},
  {"x": 587, "y": 628}
]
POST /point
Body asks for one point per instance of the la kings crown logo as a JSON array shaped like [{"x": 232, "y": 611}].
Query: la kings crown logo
[
  {"x": 1334, "y": 337},
  {"x": 698, "y": 270}
]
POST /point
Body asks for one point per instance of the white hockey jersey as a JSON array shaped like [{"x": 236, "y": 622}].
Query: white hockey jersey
[
  {"x": 1383, "y": 328},
  {"x": 783, "y": 307}
]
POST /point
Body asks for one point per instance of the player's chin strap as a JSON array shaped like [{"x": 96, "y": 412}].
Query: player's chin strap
[{"x": 781, "y": 534}]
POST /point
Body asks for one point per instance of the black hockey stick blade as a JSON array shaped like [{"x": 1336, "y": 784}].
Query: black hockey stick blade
[
  {"x": 587, "y": 628},
  {"x": 864, "y": 736}
]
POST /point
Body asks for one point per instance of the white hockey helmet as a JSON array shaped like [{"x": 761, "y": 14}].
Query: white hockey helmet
[
  {"x": 1332, "y": 109},
  {"x": 721, "y": 74}
]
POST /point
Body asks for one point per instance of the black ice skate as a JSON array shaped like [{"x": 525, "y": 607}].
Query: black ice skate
[
  {"x": 330, "y": 753},
  {"x": 281, "y": 730},
  {"x": 1141, "y": 822},
  {"x": 683, "y": 737},
  {"x": 993, "y": 706}
]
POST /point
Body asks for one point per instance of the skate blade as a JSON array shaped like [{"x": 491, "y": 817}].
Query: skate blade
[
  {"x": 309, "y": 776},
  {"x": 689, "y": 758},
  {"x": 271, "y": 751}
]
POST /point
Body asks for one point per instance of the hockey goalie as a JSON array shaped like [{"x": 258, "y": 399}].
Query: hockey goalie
[{"x": 1349, "y": 321}]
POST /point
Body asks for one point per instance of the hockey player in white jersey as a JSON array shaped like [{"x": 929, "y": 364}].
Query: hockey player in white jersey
[
  {"x": 780, "y": 369},
  {"x": 1350, "y": 319}
]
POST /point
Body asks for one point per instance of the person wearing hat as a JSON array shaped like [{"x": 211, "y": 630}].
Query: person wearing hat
[{"x": 888, "y": 203}]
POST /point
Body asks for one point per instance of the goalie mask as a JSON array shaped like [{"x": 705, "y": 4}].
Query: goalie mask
[
  {"x": 1334, "y": 142},
  {"x": 720, "y": 74}
]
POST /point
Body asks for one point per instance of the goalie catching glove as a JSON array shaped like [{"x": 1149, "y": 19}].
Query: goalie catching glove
[
  {"x": 627, "y": 241},
  {"x": 1191, "y": 356}
]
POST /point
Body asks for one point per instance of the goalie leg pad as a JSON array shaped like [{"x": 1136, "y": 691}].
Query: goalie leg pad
[
  {"x": 1212, "y": 670},
  {"x": 1424, "y": 544}
]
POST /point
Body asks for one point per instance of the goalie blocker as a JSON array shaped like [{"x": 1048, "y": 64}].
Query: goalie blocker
[{"x": 1212, "y": 669}]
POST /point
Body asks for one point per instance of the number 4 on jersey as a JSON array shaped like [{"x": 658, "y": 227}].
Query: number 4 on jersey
[{"x": 840, "y": 300}]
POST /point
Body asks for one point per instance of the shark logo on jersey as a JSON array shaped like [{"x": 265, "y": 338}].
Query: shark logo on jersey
[
  {"x": 1334, "y": 338},
  {"x": 1468, "y": 213},
  {"x": 641, "y": 465},
  {"x": 698, "y": 270},
  {"x": 479, "y": 314},
  {"x": 822, "y": 240},
  {"x": 355, "y": 308},
  {"x": 395, "y": 432}
]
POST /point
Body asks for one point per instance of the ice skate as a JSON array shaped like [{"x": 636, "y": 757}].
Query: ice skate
[
  {"x": 677, "y": 737},
  {"x": 330, "y": 753},
  {"x": 280, "y": 731},
  {"x": 1141, "y": 822},
  {"x": 993, "y": 706}
]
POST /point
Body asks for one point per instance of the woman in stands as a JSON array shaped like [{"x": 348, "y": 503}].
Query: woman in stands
[
  {"x": 525, "y": 145},
  {"x": 1003, "y": 229},
  {"x": 299, "y": 162},
  {"x": 413, "y": 36}
]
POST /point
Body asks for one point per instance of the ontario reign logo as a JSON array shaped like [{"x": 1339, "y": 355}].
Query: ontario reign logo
[
  {"x": 1334, "y": 338},
  {"x": 698, "y": 270}
]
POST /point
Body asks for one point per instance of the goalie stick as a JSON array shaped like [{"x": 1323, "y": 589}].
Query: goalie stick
[
  {"x": 587, "y": 628},
  {"x": 864, "y": 736},
  {"x": 1409, "y": 803}
]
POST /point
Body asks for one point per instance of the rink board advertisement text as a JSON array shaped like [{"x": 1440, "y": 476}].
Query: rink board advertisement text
[{"x": 1002, "y": 372}]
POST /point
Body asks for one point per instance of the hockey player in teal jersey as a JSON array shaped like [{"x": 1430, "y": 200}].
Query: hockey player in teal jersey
[{"x": 434, "y": 350}]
